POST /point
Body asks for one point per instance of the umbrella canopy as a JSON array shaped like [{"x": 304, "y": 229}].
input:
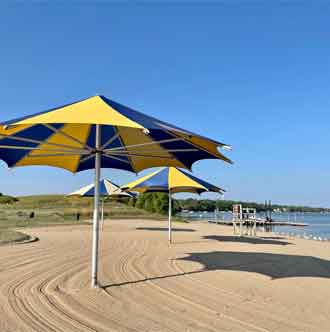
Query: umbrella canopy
[
  {"x": 97, "y": 132},
  {"x": 129, "y": 140},
  {"x": 171, "y": 179},
  {"x": 106, "y": 187}
]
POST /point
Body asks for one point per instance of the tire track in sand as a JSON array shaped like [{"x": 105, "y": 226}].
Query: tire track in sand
[{"x": 45, "y": 287}]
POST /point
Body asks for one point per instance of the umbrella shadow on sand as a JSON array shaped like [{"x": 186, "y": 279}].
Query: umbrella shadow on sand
[
  {"x": 243, "y": 239},
  {"x": 165, "y": 229},
  {"x": 275, "y": 266}
]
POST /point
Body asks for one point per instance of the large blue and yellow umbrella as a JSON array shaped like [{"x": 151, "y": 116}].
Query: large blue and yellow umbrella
[
  {"x": 171, "y": 180},
  {"x": 97, "y": 132}
]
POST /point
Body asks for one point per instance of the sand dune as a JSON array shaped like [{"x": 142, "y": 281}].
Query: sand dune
[{"x": 207, "y": 280}]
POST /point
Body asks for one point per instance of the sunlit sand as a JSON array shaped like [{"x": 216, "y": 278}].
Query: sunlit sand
[{"x": 207, "y": 280}]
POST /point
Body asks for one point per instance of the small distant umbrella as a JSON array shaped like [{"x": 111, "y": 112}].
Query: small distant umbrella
[
  {"x": 171, "y": 180},
  {"x": 96, "y": 133},
  {"x": 107, "y": 188}
]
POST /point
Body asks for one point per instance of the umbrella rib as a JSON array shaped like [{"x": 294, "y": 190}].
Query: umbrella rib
[
  {"x": 74, "y": 139},
  {"x": 116, "y": 158},
  {"x": 29, "y": 140},
  {"x": 138, "y": 155},
  {"x": 110, "y": 140},
  {"x": 223, "y": 157},
  {"x": 54, "y": 155},
  {"x": 152, "y": 151},
  {"x": 143, "y": 144},
  {"x": 30, "y": 148},
  {"x": 123, "y": 146},
  {"x": 82, "y": 160}
]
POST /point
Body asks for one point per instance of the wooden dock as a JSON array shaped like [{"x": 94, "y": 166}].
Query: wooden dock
[{"x": 261, "y": 223}]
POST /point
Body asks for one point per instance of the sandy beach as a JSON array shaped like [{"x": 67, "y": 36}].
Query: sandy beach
[{"x": 207, "y": 280}]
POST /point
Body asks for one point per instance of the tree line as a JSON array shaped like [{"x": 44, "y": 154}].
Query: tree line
[
  {"x": 227, "y": 205},
  {"x": 158, "y": 203},
  {"x": 154, "y": 203}
]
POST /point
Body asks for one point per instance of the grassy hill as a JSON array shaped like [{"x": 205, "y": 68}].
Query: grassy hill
[
  {"x": 7, "y": 199},
  {"x": 42, "y": 210},
  {"x": 53, "y": 210}
]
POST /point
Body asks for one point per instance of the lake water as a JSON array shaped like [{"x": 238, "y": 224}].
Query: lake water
[{"x": 319, "y": 224}]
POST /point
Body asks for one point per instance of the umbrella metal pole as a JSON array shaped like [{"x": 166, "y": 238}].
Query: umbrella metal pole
[
  {"x": 95, "y": 247},
  {"x": 169, "y": 217},
  {"x": 102, "y": 214}
]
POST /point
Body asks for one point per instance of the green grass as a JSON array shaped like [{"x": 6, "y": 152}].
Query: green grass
[
  {"x": 52, "y": 210},
  {"x": 7, "y": 199},
  {"x": 60, "y": 210}
]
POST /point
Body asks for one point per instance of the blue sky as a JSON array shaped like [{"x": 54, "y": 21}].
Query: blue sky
[{"x": 255, "y": 76}]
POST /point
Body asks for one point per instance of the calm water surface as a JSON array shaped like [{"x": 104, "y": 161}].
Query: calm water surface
[{"x": 319, "y": 224}]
